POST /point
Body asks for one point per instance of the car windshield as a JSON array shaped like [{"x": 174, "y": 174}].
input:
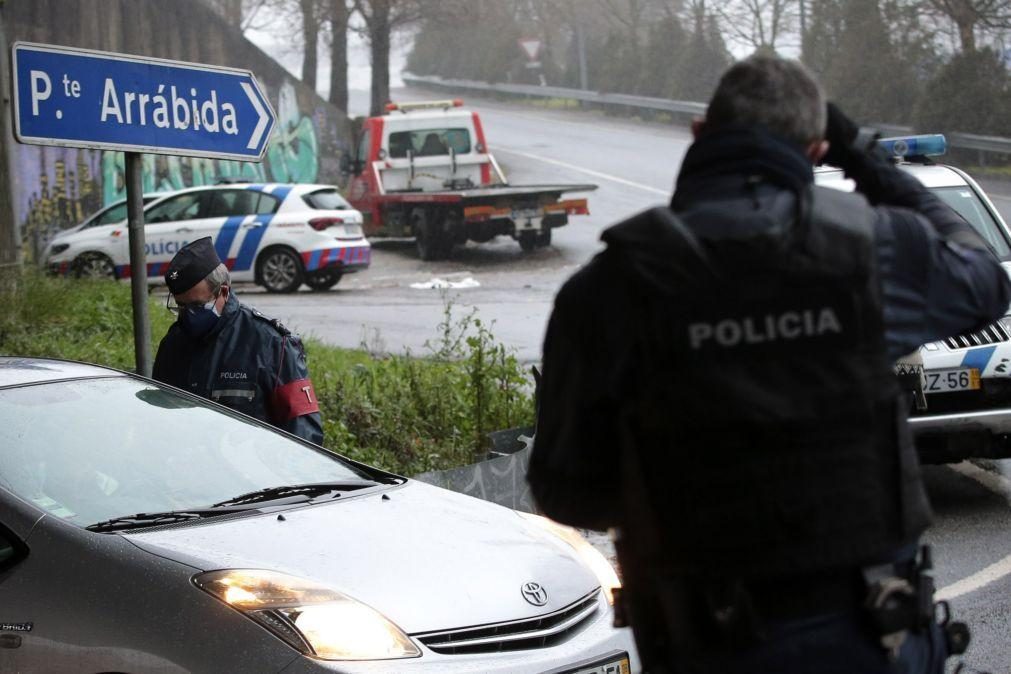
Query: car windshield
[
  {"x": 116, "y": 213},
  {"x": 972, "y": 208},
  {"x": 90, "y": 450}
]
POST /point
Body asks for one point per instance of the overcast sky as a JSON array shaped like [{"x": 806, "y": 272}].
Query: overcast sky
[{"x": 277, "y": 43}]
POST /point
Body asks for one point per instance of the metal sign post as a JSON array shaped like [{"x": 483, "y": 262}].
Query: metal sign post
[
  {"x": 72, "y": 97},
  {"x": 138, "y": 264}
]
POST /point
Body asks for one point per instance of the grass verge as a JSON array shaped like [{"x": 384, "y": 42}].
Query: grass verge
[{"x": 399, "y": 412}]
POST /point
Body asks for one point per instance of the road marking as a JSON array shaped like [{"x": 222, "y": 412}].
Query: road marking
[
  {"x": 589, "y": 172},
  {"x": 1001, "y": 486},
  {"x": 977, "y": 580},
  {"x": 995, "y": 482}
]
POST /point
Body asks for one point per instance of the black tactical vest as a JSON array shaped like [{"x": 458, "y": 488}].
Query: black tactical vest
[{"x": 764, "y": 411}]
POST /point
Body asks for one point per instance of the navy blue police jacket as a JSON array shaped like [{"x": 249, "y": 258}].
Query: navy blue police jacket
[{"x": 248, "y": 362}]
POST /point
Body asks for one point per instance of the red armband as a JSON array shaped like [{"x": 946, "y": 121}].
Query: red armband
[{"x": 294, "y": 399}]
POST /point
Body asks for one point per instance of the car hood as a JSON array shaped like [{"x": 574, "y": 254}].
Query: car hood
[{"x": 427, "y": 558}]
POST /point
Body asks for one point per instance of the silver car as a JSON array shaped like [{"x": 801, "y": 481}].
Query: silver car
[{"x": 143, "y": 529}]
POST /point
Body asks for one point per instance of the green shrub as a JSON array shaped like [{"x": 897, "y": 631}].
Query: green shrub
[
  {"x": 89, "y": 320},
  {"x": 398, "y": 412}
]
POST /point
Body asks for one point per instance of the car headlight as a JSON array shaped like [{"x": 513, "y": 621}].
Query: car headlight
[
  {"x": 58, "y": 248},
  {"x": 592, "y": 557},
  {"x": 310, "y": 617}
]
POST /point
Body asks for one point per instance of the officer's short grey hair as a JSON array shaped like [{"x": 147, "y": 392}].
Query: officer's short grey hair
[
  {"x": 776, "y": 93},
  {"x": 218, "y": 277}
]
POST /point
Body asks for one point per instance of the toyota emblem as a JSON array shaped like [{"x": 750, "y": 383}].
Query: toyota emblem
[{"x": 535, "y": 594}]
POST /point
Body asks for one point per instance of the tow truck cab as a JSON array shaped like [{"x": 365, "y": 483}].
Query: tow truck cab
[
  {"x": 429, "y": 146},
  {"x": 424, "y": 170}
]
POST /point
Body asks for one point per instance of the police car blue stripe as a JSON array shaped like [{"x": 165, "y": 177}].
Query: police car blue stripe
[
  {"x": 978, "y": 358},
  {"x": 226, "y": 236},
  {"x": 282, "y": 192},
  {"x": 251, "y": 243},
  {"x": 314, "y": 259}
]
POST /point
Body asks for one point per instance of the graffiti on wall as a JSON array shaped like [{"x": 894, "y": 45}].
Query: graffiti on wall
[{"x": 60, "y": 187}]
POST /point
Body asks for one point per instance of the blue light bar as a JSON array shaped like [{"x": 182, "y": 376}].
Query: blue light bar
[{"x": 931, "y": 145}]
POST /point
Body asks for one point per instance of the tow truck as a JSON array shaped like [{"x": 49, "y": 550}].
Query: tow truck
[{"x": 424, "y": 170}]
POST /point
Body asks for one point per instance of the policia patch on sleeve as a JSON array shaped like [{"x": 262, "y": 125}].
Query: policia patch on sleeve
[{"x": 790, "y": 324}]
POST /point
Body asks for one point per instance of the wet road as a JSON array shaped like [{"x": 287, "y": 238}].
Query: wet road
[{"x": 634, "y": 164}]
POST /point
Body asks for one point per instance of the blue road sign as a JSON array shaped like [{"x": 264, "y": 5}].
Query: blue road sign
[{"x": 83, "y": 98}]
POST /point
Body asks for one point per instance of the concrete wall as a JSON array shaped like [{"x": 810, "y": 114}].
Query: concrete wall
[{"x": 54, "y": 188}]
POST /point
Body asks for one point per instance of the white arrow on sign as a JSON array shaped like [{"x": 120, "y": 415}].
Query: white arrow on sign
[{"x": 261, "y": 124}]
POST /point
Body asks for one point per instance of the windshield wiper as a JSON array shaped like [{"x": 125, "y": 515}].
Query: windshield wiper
[
  {"x": 313, "y": 490},
  {"x": 154, "y": 519}
]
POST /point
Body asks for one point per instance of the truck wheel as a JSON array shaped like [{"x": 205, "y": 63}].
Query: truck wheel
[
  {"x": 432, "y": 243},
  {"x": 279, "y": 270},
  {"x": 93, "y": 265},
  {"x": 323, "y": 280},
  {"x": 544, "y": 238},
  {"x": 528, "y": 241}
]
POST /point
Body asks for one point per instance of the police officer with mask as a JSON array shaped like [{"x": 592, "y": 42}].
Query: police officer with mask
[
  {"x": 223, "y": 350},
  {"x": 718, "y": 388}
]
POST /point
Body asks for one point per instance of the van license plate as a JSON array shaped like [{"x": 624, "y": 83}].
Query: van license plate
[
  {"x": 526, "y": 213},
  {"x": 955, "y": 379}
]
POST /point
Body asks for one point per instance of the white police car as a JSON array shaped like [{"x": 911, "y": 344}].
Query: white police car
[
  {"x": 276, "y": 235},
  {"x": 966, "y": 379}
]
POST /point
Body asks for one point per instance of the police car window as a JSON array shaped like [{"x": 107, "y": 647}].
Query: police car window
[
  {"x": 267, "y": 204},
  {"x": 226, "y": 203},
  {"x": 182, "y": 207},
  {"x": 326, "y": 200},
  {"x": 429, "y": 142},
  {"x": 970, "y": 207},
  {"x": 123, "y": 446}
]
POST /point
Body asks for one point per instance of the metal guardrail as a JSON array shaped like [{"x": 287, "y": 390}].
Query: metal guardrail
[
  {"x": 965, "y": 141},
  {"x": 586, "y": 96}
]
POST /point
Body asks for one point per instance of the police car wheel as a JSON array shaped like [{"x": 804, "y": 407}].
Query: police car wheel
[
  {"x": 280, "y": 270},
  {"x": 323, "y": 280},
  {"x": 94, "y": 265}
]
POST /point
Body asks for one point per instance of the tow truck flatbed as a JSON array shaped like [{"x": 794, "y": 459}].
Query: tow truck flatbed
[{"x": 454, "y": 196}]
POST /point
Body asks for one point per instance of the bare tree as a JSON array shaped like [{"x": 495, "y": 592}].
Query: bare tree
[
  {"x": 310, "y": 11},
  {"x": 759, "y": 24},
  {"x": 381, "y": 19},
  {"x": 970, "y": 15},
  {"x": 242, "y": 14},
  {"x": 338, "y": 19}
]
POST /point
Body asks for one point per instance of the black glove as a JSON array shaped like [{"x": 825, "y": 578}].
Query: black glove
[{"x": 841, "y": 133}]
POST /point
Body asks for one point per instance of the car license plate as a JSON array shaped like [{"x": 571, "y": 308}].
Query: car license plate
[
  {"x": 955, "y": 379},
  {"x": 616, "y": 665}
]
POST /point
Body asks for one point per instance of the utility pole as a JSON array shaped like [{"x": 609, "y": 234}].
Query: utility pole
[
  {"x": 581, "y": 47},
  {"x": 10, "y": 235}
]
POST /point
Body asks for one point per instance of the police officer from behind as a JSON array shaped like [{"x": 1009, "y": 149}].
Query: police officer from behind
[
  {"x": 223, "y": 350},
  {"x": 718, "y": 387}
]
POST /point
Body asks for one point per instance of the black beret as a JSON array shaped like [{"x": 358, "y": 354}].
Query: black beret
[{"x": 191, "y": 265}]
